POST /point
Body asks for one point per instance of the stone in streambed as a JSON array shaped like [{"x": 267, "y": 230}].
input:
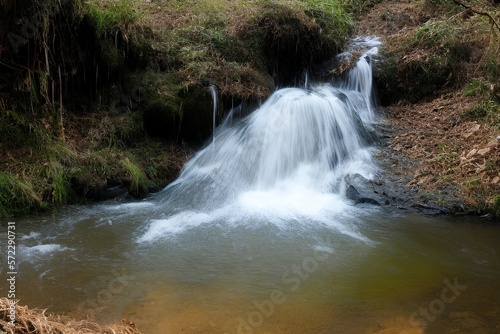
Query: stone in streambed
[
  {"x": 360, "y": 190},
  {"x": 354, "y": 195}
]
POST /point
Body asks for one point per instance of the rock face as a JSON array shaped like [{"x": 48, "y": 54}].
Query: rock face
[
  {"x": 361, "y": 191},
  {"x": 393, "y": 187},
  {"x": 390, "y": 191}
]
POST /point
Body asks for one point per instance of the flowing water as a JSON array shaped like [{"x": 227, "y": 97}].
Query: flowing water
[{"x": 257, "y": 236}]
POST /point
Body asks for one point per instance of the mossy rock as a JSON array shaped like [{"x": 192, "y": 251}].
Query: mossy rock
[
  {"x": 171, "y": 110},
  {"x": 185, "y": 116},
  {"x": 291, "y": 39}
]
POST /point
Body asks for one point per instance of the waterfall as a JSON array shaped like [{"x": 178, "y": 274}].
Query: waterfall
[
  {"x": 360, "y": 78},
  {"x": 288, "y": 157},
  {"x": 213, "y": 91}
]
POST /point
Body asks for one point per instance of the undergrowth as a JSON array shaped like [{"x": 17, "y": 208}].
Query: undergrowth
[
  {"x": 108, "y": 17},
  {"x": 487, "y": 110},
  {"x": 494, "y": 207},
  {"x": 38, "y": 170},
  {"x": 16, "y": 196},
  {"x": 477, "y": 86},
  {"x": 138, "y": 180},
  {"x": 171, "y": 51},
  {"x": 442, "y": 54}
]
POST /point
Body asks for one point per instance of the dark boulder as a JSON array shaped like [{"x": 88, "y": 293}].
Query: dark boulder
[{"x": 360, "y": 190}]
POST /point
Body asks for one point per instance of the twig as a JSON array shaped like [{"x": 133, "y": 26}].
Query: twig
[
  {"x": 61, "y": 124},
  {"x": 458, "y": 14},
  {"x": 492, "y": 20}
]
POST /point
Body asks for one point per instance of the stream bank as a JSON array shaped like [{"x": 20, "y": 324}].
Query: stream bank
[{"x": 438, "y": 78}]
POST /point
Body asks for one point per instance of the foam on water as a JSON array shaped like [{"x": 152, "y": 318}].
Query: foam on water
[
  {"x": 33, "y": 253},
  {"x": 284, "y": 164},
  {"x": 177, "y": 223},
  {"x": 32, "y": 235},
  {"x": 257, "y": 209}
]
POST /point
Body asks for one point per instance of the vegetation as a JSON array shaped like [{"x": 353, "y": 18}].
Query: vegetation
[
  {"x": 494, "y": 207},
  {"x": 15, "y": 196},
  {"x": 88, "y": 86},
  {"x": 439, "y": 75},
  {"x": 38, "y": 321},
  {"x": 443, "y": 53}
]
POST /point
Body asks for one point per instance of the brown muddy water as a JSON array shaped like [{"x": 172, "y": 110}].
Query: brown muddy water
[{"x": 376, "y": 272}]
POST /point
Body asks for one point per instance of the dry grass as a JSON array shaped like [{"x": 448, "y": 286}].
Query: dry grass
[
  {"x": 451, "y": 135},
  {"x": 36, "y": 321}
]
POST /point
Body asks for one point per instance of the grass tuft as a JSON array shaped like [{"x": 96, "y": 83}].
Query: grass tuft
[
  {"x": 38, "y": 321},
  {"x": 109, "y": 16},
  {"x": 138, "y": 179},
  {"x": 494, "y": 207},
  {"x": 478, "y": 86},
  {"x": 16, "y": 196}
]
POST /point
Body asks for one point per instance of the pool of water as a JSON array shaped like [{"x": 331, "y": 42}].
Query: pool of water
[{"x": 354, "y": 270}]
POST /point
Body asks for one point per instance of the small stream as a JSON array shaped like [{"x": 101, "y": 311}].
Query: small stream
[{"x": 257, "y": 235}]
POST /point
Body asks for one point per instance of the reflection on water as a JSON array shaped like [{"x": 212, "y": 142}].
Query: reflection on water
[{"x": 391, "y": 273}]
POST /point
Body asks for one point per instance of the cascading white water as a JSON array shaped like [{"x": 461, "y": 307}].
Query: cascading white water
[
  {"x": 290, "y": 156},
  {"x": 360, "y": 78},
  {"x": 295, "y": 128},
  {"x": 213, "y": 92}
]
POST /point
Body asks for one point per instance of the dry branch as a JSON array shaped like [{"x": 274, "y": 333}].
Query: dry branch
[{"x": 492, "y": 20}]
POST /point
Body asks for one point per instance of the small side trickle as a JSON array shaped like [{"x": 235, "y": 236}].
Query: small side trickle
[{"x": 213, "y": 91}]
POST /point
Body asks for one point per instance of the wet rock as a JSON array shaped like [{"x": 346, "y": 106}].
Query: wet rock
[
  {"x": 398, "y": 185},
  {"x": 354, "y": 195},
  {"x": 361, "y": 191},
  {"x": 115, "y": 192},
  {"x": 430, "y": 209}
]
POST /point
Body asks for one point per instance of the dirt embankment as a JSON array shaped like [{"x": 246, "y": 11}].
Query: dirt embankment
[{"x": 444, "y": 146}]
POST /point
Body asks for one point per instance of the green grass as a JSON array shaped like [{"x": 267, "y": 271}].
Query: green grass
[
  {"x": 138, "y": 179},
  {"x": 108, "y": 16},
  {"x": 494, "y": 207},
  {"x": 478, "y": 86},
  {"x": 16, "y": 196},
  {"x": 334, "y": 16},
  {"x": 439, "y": 33},
  {"x": 487, "y": 110}
]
